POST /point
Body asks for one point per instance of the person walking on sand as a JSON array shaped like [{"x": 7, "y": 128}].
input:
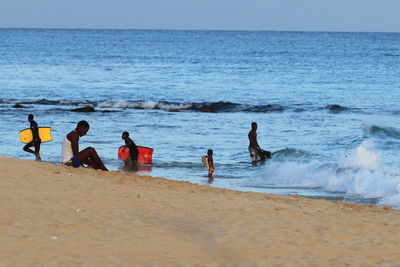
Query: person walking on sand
[
  {"x": 256, "y": 153},
  {"x": 35, "y": 138},
  {"x": 71, "y": 156},
  {"x": 133, "y": 151}
]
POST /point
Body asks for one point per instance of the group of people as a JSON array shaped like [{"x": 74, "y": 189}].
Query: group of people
[
  {"x": 72, "y": 156},
  {"x": 256, "y": 153}
]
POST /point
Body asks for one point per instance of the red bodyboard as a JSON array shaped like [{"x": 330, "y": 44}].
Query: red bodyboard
[
  {"x": 123, "y": 153},
  {"x": 145, "y": 155}
]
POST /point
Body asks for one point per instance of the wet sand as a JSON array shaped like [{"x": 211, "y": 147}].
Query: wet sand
[{"x": 54, "y": 215}]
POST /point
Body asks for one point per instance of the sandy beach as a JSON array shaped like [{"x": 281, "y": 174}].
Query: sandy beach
[{"x": 53, "y": 215}]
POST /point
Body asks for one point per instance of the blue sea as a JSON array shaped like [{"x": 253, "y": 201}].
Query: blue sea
[{"x": 328, "y": 102}]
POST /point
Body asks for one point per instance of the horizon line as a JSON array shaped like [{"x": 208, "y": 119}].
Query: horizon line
[{"x": 161, "y": 29}]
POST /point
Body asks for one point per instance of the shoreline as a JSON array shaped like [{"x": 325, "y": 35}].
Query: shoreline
[{"x": 61, "y": 215}]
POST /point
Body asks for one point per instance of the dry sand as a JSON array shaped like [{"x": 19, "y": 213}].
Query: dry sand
[{"x": 53, "y": 215}]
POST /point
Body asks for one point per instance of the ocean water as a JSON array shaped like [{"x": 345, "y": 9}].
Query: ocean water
[{"x": 328, "y": 102}]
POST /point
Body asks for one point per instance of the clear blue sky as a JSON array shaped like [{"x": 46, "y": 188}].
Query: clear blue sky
[{"x": 299, "y": 15}]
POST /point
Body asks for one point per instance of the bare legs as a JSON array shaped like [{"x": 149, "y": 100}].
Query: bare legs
[
  {"x": 90, "y": 157},
  {"x": 37, "y": 149},
  {"x": 134, "y": 154}
]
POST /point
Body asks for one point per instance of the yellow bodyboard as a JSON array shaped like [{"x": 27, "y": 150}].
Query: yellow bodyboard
[{"x": 25, "y": 136}]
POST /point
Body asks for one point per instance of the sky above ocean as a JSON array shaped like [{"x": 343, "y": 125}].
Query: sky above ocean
[{"x": 282, "y": 15}]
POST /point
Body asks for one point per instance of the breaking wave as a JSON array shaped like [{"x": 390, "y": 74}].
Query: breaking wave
[
  {"x": 358, "y": 175},
  {"x": 210, "y": 107}
]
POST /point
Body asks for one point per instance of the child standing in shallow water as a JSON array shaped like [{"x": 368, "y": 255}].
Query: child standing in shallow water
[
  {"x": 132, "y": 147},
  {"x": 209, "y": 163}
]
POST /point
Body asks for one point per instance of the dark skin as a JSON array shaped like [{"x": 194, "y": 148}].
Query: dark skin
[
  {"x": 129, "y": 143},
  {"x": 253, "y": 136},
  {"x": 210, "y": 163},
  {"x": 87, "y": 156},
  {"x": 36, "y": 139},
  {"x": 35, "y": 130}
]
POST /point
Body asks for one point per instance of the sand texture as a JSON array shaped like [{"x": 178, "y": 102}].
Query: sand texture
[{"x": 53, "y": 215}]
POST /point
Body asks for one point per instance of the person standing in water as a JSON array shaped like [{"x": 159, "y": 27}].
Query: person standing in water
[
  {"x": 210, "y": 163},
  {"x": 133, "y": 151},
  {"x": 71, "y": 156},
  {"x": 35, "y": 140},
  {"x": 256, "y": 153}
]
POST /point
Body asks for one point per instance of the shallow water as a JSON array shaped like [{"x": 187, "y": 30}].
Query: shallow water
[{"x": 329, "y": 100}]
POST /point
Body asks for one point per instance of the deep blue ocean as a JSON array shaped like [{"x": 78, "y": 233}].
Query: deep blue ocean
[{"x": 329, "y": 102}]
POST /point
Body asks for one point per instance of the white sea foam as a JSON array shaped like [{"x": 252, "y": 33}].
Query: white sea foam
[
  {"x": 174, "y": 106},
  {"x": 118, "y": 104},
  {"x": 149, "y": 105},
  {"x": 359, "y": 175},
  {"x": 144, "y": 105},
  {"x": 364, "y": 157}
]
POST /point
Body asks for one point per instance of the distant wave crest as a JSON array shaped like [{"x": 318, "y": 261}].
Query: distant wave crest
[
  {"x": 336, "y": 108},
  {"x": 211, "y": 107},
  {"x": 171, "y": 106},
  {"x": 384, "y": 131}
]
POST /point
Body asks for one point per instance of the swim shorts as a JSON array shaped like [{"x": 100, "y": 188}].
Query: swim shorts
[
  {"x": 253, "y": 153},
  {"x": 73, "y": 162},
  {"x": 211, "y": 171}
]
